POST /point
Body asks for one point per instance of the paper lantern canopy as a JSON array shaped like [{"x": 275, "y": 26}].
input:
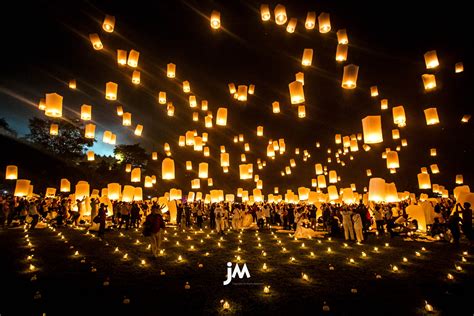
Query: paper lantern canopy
[
  {"x": 54, "y": 105},
  {"x": 372, "y": 129},
  {"x": 215, "y": 20},
  {"x": 111, "y": 91},
  {"x": 265, "y": 12},
  {"x": 109, "y": 23},
  {"x": 280, "y": 14},
  {"x": 431, "y": 115},
  {"x": 324, "y": 22},
  {"x": 167, "y": 169},
  {"x": 11, "y": 172},
  {"x": 310, "y": 22},
  {"x": 96, "y": 42},
  {"x": 349, "y": 78}
]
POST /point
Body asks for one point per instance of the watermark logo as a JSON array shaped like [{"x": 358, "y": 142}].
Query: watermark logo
[{"x": 237, "y": 272}]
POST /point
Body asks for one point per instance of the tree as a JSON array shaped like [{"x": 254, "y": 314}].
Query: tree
[
  {"x": 5, "y": 128},
  {"x": 134, "y": 154},
  {"x": 70, "y": 143}
]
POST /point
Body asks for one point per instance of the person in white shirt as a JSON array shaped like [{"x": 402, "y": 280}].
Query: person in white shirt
[
  {"x": 358, "y": 227},
  {"x": 347, "y": 223},
  {"x": 219, "y": 211}
]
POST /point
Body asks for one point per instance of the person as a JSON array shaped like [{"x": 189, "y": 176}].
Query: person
[
  {"x": 179, "y": 215},
  {"x": 389, "y": 220},
  {"x": 102, "y": 214},
  {"x": 135, "y": 215},
  {"x": 466, "y": 212},
  {"x": 358, "y": 227},
  {"x": 124, "y": 215},
  {"x": 236, "y": 218},
  {"x": 260, "y": 218},
  {"x": 266, "y": 212},
  {"x": 312, "y": 216},
  {"x": 33, "y": 212},
  {"x": 378, "y": 215},
  {"x": 219, "y": 211},
  {"x": 187, "y": 211},
  {"x": 157, "y": 227},
  {"x": 347, "y": 223},
  {"x": 453, "y": 223},
  {"x": 212, "y": 217},
  {"x": 199, "y": 215},
  {"x": 301, "y": 231}
]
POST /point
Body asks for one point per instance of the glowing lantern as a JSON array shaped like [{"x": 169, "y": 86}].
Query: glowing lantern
[
  {"x": 280, "y": 14},
  {"x": 121, "y": 57},
  {"x": 395, "y": 134},
  {"x": 338, "y": 138},
  {"x": 119, "y": 110},
  {"x": 291, "y": 26},
  {"x": 349, "y": 78},
  {"x": 181, "y": 141},
  {"x": 90, "y": 155},
  {"x": 391, "y": 194},
  {"x": 270, "y": 150},
  {"x": 127, "y": 119},
  {"x": 171, "y": 70},
  {"x": 215, "y": 20},
  {"x": 459, "y": 179},
  {"x": 203, "y": 170},
  {"x": 324, "y": 22},
  {"x": 138, "y": 130},
  {"x": 189, "y": 165},
  {"x": 170, "y": 109},
  {"x": 424, "y": 170},
  {"x": 86, "y": 112},
  {"x": 300, "y": 77},
  {"x": 95, "y": 40},
  {"x": 72, "y": 84},
  {"x": 189, "y": 138},
  {"x": 232, "y": 89},
  {"x": 206, "y": 152},
  {"x": 111, "y": 91},
  {"x": 208, "y": 121},
  {"x": 251, "y": 89},
  {"x": 154, "y": 155},
  {"x": 332, "y": 193},
  {"x": 11, "y": 173},
  {"x": 354, "y": 146},
  {"x": 186, "y": 87},
  {"x": 384, "y": 104},
  {"x": 210, "y": 183},
  {"x": 22, "y": 188},
  {"x": 276, "y": 107},
  {"x": 128, "y": 193},
  {"x": 242, "y": 93},
  {"x": 377, "y": 190},
  {"x": 65, "y": 185},
  {"x": 128, "y": 167},
  {"x": 346, "y": 141},
  {"x": 434, "y": 168},
  {"x": 431, "y": 59},
  {"x": 341, "y": 52},
  {"x": 90, "y": 131},
  {"x": 310, "y": 22},
  {"x": 162, "y": 97},
  {"x": 136, "y": 77},
  {"x": 372, "y": 129},
  {"x": 221, "y": 117},
  {"x": 109, "y": 23},
  {"x": 369, "y": 172},
  {"x": 82, "y": 190},
  {"x": 54, "y": 105},
  {"x": 192, "y": 101},
  {"x": 113, "y": 139},
  {"x": 225, "y": 160},
  {"x": 392, "y": 160},
  {"x": 307, "y": 58},
  {"x": 148, "y": 182},
  {"x": 54, "y": 129},
  {"x": 321, "y": 181},
  {"x": 204, "y": 105},
  {"x": 342, "y": 37},
  {"x": 195, "y": 184},
  {"x": 466, "y": 118},
  {"x": 198, "y": 144},
  {"x": 332, "y": 176},
  {"x": 296, "y": 92},
  {"x": 459, "y": 67},
  {"x": 167, "y": 169},
  {"x": 424, "y": 181},
  {"x": 42, "y": 104},
  {"x": 431, "y": 115},
  {"x": 301, "y": 111},
  {"x": 318, "y": 169},
  {"x": 374, "y": 91},
  {"x": 433, "y": 152},
  {"x": 246, "y": 147},
  {"x": 259, "y": 130},
  {"x": 429, "y": 81},
  {"x": 133, "y": 58},
  {"x": 265, "y": 12},
  {"x": 399, "y": 117}
]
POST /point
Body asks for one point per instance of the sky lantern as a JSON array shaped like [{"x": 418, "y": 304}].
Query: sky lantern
[
  {"x": 251, "y": 89},
  {"x": 189, "y": 165},
  {"x": 431, "y": 59},
  {"x": 72, "y": 84},
  {"x": 210, "y": 183},
  {"x": 433, "y": 152},
  {"x": 300, "y": 77},
  {"x": 246, "y": 147},
  {"x": 276, "y": 107},
  {"x": 332, "y": 193},
  {"x": 346, "y": 141},
  {"x": 127, "y": 193},
  {"x": 342, "y": 37},
  {"x": 204, "y": 105},
  {"x": 265, "y": 12},
  {"x": 270, "y": 150},
  {"x": 338, "y": 138},
  {"x": 121, "y": 57},
  {"x": 384, "y": 104},
  {"x": 11, "y": 172},
  {"x": 296, "y": 92},
  {"x": 189, "y": 138},
  {"x": 243, "y": 158},
  {"x": 111, "y": 91},
  {"x": 50, "y": 192},
  {"x": 128, "y": 167},
  {"x": 280, "y": 14},
  {"x": 424, "y": 170},
  {"x": 391, "y": 194},
  {"x": 170, "y": 109},
  {"x": 154, "y": 155},
  {"x": 431, "y": 115},
  {"x": 186, "y": 86},
  {"x": 138, "y": 130},
  {"x": 107, "y": 138},
  {"x": 332, "y": 176},
  {"x": 65, "y": 185},
  {"x": 207, "y": 152},
  {"x": 349, "y": 78},
  {"x": 318, "y": 168},
  {"x": 395, "y": 133},
  {"x": 354, "y": 145},
  {"x": 465, "y": 118},
  {"x": 113, "y": 139},
  {"x": 324, "y": 22},
  {"x": 171, "y": 70},
  {"x": 208, "y": 121},
  {"x": 242, "y": 93},
  {"x": 203, "y": 170},
  {"x": 341, "y": 52},
  {"x": 215, "y": 20},
  {"x": 372, "y": 128},
  {"x": 377, "y": 190},
  {"x": 109, "y": 23},
  {"x": 54, "y": 105},
  {"x": 167, "y": 169},
  {"x": 95, "y": 40},
  {"x": 429, "y": 81},
  {"x": 167, "y": 147},
  {"x": 22, "y": 188},
  {"x": 291, "y": 26},
  {"x": 458, "y": 67},
  {"x": 90, "y": 131},
  {"x": 192, "y": 101},
  {"x": 148, "y": 182},
  {"x": 307, "y": 58},
  {"x": 195, "y": 184},
  {"x": 86, "y": 112},
  {"x": 232, "y": 89},
  {"x": 162, "y": 97},
  {"x": 82, "y": 190},
  {"x": 392, "y": 160},
  {"x": 119, "y": 110},
  {"x": 127, "y": 119},
  {"x": 310, "y": 22},
  {"x": 434, "y": 168},
  {"x": 301, "y": 111},
  {"x": 321, "y": 181},
  {"x": 424, "y": 181},
  {"x": 54, "y": 129},
  {"x": 181, "y": 141},
  {"x": 136, "y": 175},
  {"x": 90, "y": 155},
  {"x": 459, "y": 179},
  {"x": 259, "y": 130},
  {"x": 42, "y": 104},
  {"x": 133, "y": 58},
  {"x": 225, "y": 159},
  {"x": 314, "y": 183},
  {"x": 374, "y": 91},
  {"x": 399, "y": 117},
  {"x": 221, "y": 117},
  {"x": 136, "y": 77},
  {"x": 198, "y": 143},
  {"x": 287, "y": 170}
]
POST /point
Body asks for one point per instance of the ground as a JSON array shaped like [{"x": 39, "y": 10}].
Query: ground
[{"x": 71, "y": 284}]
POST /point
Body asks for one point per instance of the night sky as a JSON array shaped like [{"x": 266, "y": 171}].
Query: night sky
[{"x": 46, "y": 44}]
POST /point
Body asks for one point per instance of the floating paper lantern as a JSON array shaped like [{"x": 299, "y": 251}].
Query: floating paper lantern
[
  {"x": 349, "y": 78},
  {"x": 372, "y": 129},
  {"x": 111, "y": 91},
  {"x": 318, "y": 169},
  {"x": 127, "y": 119},
  {"x": 431, "y": 59},
  {"x": 133, "y": 58},
  {"x": 136, "y": 77},
  {"x": 128, "y": 167},
  {"x": 332, "y": 193},
  {"x": 391, "y": 194},
  {"x": 221, "y": 117},
  {"x": 424, "y": 181},
  {"x": 246, "y": 147},
  {"x": 459, "y": 179},
  {"x": 121, "y": 57},
  {"x": 251, "y": 89},
  {"x": 189, "y": 165},
  {"x": 280, "y": 14},
  {"x": 82, "y": 190},
  {"x": 162, "y": 97},
  {"x": 232, "y": 89},
  {"x": 276, "y": 107},
  {"x": 72, "y": 84},
  {"x": 138, "y": 130},
  {"x": 95, "y": 40},
  {"x": 324, "y": 22},
  {"x": 109, "y": 23},
  {"x": 310, "y": 22},
  {"x": 186, "y": 87},
  {"x": 399, "y": 117},
  {"x": 204, "y": 105},
  {"x": 296, "y": 92},
  {"x": 342, "y": 37},
  {"x": 459, "y": 67},
  {"x": 65, "y": 185},
  {"x": 395, "y": 134},
  {"x": 424, "y": 170},
  {"x": 429, "y": 81},
  {"x": 195, "y": 184},
  {"x": 206, "y": 152},
  {"x": 265, "y": 12},
  {"x": 170, "y": 109},
  {"x": 368, "y": 172},
  {"x": 203, "y": 170},
  {"x": 54, "y": 129},
  {"x": 346, "y": 141},
  {"x": 301, "y": 111},
  {"x": 291, "y": 26},
  {"x": 341, "y": 52},
  {"x": 198, "y": 144},
  {"x": 466, "y": 118},
  {"x": 181, "y": 141},
  {"x": 195, "y": 116},
  {"x": 259, "y": 130},
  {"x": 22, "y": 188},
  {"x": 119, "y": 110},
  {"x": 434, "y": 168},
  {"x": 171, "y": 70},
  {"x": 433, "y": 152},
  {"x": 208, "y": 121},
  {"x": 167, "y": 169},
  {"x": 90, "y": 155},
  {"x": 42, "y": 104},
  {"x": 54, "y": 105},
  {"x": 384, "y": 104},
  {"x": 332, "y": 176},
  {"x": 300, "y": 77},
  {"x": 11, "y": 172},
  {"x": 431, "y": 115},
  {"x": 90, "y": 131},
  {"x": 321, "y": 181},
  {"x": 225, "y": 160},
  {"x": 374, "y": 91},
  {"x": 192, "y": 101},
  {"x": 354, "y": 146},
  {"x": 307, "y": 58},
  {"x": 128, "y": 193},
  {"x": 242, "y": 93},
  {"x": 377, "y": 190},
  {"x": 138, "y": 194},
  {"x": 392, "y": 160},
  {"x": 215, "y": 19},
  {"x": 154, "y": 155},
  {"x": 86, "y": 112}
]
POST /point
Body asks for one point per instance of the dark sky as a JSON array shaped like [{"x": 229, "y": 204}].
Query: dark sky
[{"x": 46, "y": 44}]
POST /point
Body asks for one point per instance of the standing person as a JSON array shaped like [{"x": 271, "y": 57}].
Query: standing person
[
  {"x": 291, "y": 217},
  {"x": 453, "y": 224},
  {"x": 358, "y": 227},
  {"x": 347, "y": 223},
  {"x": 94, "y": 207},
  {"x": 260, "y": 218},
  {"x": 33, "y": 212},
  {"x": 236, "y": 220},
  {"x": 124, "y": 215},
  {"x": 467, "y": 221},
  {"x": 179, "y": 214},
  {"x": 135, "y": 215},
  {"x": 156, "y": 226},
  {"x": 199, "y": 215},
  {"x": 389, "y": 220},
  {"x": 266, "y": 213},
  {"x": 102, "y": 214},
  {"x": 312, "y": 216},
  {"x": 284, "y": 217},
  {"x": 187, "y": 211},
  {"x": 219, "y": 211},
  {"x": 378, "y": 215},
  {"x": 212, "y": 216}
]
